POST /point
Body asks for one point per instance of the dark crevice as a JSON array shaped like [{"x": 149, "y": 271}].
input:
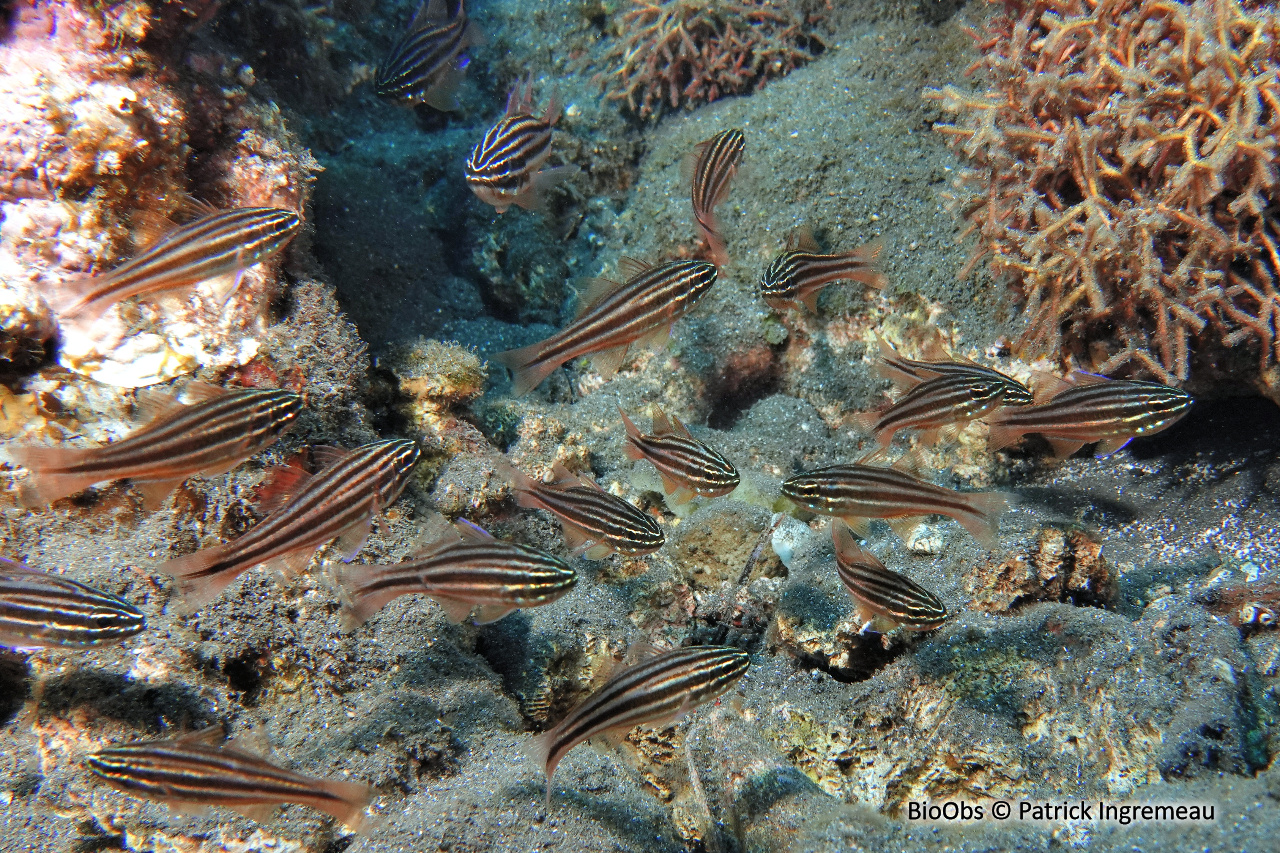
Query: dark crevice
[
  {"x": 14, "y": 680},
  {"x": 744, "y": 379},
  {"x": 247, "y": 674}
]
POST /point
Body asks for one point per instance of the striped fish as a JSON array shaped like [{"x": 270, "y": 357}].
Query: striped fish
[
  {"x": 39, "y": 610},
  {"x": 595, "y": 522},
  {"x": 304, "y": 512},
  {"x": 426, "y": 65},
  {"x": 858, "y": 492},
  {"x": 714, "y": 163},
  {"x": 216, "y": 248},
  {"x": 191, "y": 773},
  {"x": 464, "y": 569},
  {"x": 687, "y": 466},
  {"x": 217, "y": 431},
  {"x": 503, "y": 169},
  {"x": 798, "y": 275},
  {"x": 934, "y": 404},
  {"x": 885, "y": 599},
  {"x": 906, "y": 373},
  {"x": 654, "y": 692},
  {"x": 1090, "y": 408},
  {"x": 613, "y": 318}
]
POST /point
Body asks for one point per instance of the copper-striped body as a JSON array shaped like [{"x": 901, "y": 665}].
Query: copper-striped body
[
  {"x": 798, "y": 277},
  {"x": 936, "y": 403},
  {"x": 503, "y": 168},
  {"x": 909, "y": 372},
  {"x": 41, "y": 610},
  {"x": 649, "y": 301},
  {"x": 463, "y": 573},
  {"x": 339, "y": 501},
  {"x": 189, "y": 773},
  {"x": 655, "y": 691},
  {"x": 882, "y": 593},
  {"x": 857, "y": 492},
  {"x": 212, "y": 435},
  {"x": 1111, "y": 411},
  {"x": 687, "y": 466},
  {"x": 215, "y": 245},
  {"x": 419, "y": 65},
  {"x": 715, "y": 162}
]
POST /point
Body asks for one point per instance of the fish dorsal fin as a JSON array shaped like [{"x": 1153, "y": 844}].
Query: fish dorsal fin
[
  {"x": 1047, "y": 386},
  {"x": 678, "y": 427},
  {"x": 198, "y": 391},
  {"x": 9, "y": 565},
  {"x": 430, "y": 13},
  {"x": 326, "y": 456},
  {"x": 208, "y": 736},
  {"x": 278, "y": 487},
  {"x": 874, "y": 456},
  {"x": 594, "y": 293},
  {"x": 563, "y": 477},
  {"x": 472, "y": 532},
  {"x": 147, "y": 228},
  {"x": 802, "y": 240},
  {"x": 661, "y": 426},
  {"x": 191, "y": 208},
  {"x": 154, "y": 404},
  {"x": 933, "y": 350},
  {"x": 846, "y": 544},
  {"x": 1080, "y": 379},
  {"x": 632, "y": 267},
  {"x": 640, "y": 650},
  {"x": 251, "y": 742}
]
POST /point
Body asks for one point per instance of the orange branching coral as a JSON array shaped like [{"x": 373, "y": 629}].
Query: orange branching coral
[
  {"x": 694, "y": 51},
  {"x": 1121, "y": 173}
]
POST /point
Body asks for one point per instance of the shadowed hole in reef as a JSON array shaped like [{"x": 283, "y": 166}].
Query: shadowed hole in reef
[
  {"x": 247, "y": 674},
  {"x": 13, "y": 685},
  {"x": 745, "y": 378},
  {"x": 864, "y": 654}
]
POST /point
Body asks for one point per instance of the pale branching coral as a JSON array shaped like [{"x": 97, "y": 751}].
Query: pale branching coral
[
  {"x": 1121, "y": 174},
  {"x": 694, "y": 51}
]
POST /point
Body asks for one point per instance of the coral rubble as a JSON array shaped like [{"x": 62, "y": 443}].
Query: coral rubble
[
  {"x": 674, "y": 52},
  {"x": 1120, "y": 174}
]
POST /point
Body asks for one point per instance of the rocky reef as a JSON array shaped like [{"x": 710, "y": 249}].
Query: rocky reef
[{"x": 1118, "y": 644}]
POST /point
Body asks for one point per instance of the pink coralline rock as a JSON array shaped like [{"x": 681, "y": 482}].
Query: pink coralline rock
[{"x": 97, "y": 131}]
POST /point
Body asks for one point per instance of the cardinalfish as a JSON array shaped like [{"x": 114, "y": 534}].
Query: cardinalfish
[
  {"x": 654, "y": 692},
  {"x": 504, "y": 168},
  {"x": 687, "y": 466},
  {"x": 714, "y": 163},
  {"x": 464, "y": 569},
  {"x": 935, "y": 404},
  {"x": 195, "y": 772},
  {"x": 39, "y": 610},
  {"x": 857, "y": 492},
  {"x": 212, "y": 434},
  {"x": 216, "y": 248},
  {"x": 614, "y": 317},
  {"x": 304, "y": 512},
  {"x": 798, "y": 275},
  {"x": 426, "y": 65},
  {"x": 595, "y": 522},
  {"x": 885, "y": 599},
  {"x": 907, "y": 373},
  {"x": 1087, "y": 409}
]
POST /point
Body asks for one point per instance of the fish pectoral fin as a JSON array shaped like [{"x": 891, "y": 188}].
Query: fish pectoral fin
[
  {"x": 352, "y": 540},
  {"x": 278, "y": 487},
  {"x": 858, "y": 524},
  {"x": 810, "y": 300},
  {"x": 905, "y": 527},
  {"x": 1111, "y": 445},
  {"x": 576, "y": 539},
  {"x": 456, "y": 611},
  {"x": 154, "y": 492},
  {"x": 260, "y": 812},
  {"x": 493, "y": 612},
  {"x": 1064, "y": 447},
  {"x": 443, "y": 93},
  {"x": 607, "y": 362},
  {"x": 223, "y": 287}
]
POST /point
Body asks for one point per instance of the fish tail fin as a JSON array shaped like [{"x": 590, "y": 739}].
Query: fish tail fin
[
  {"x": 717, "y": 248},
  {"x": 865, "y": 422},
  {"x": 198, "y": 581},
  {"x": 347, "y": 802},
  {"x": 540, "y": 751},
  {"x": 358, "y": 608},
  {"x": 528, "y": 369},
  {"x": 870, "y": 275},
  {"x": 983, "y": 518},
  {"x": 633, "y": 436},
  {"x": 534, "y": 197},
  {"x": 45, "y": 483}
]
